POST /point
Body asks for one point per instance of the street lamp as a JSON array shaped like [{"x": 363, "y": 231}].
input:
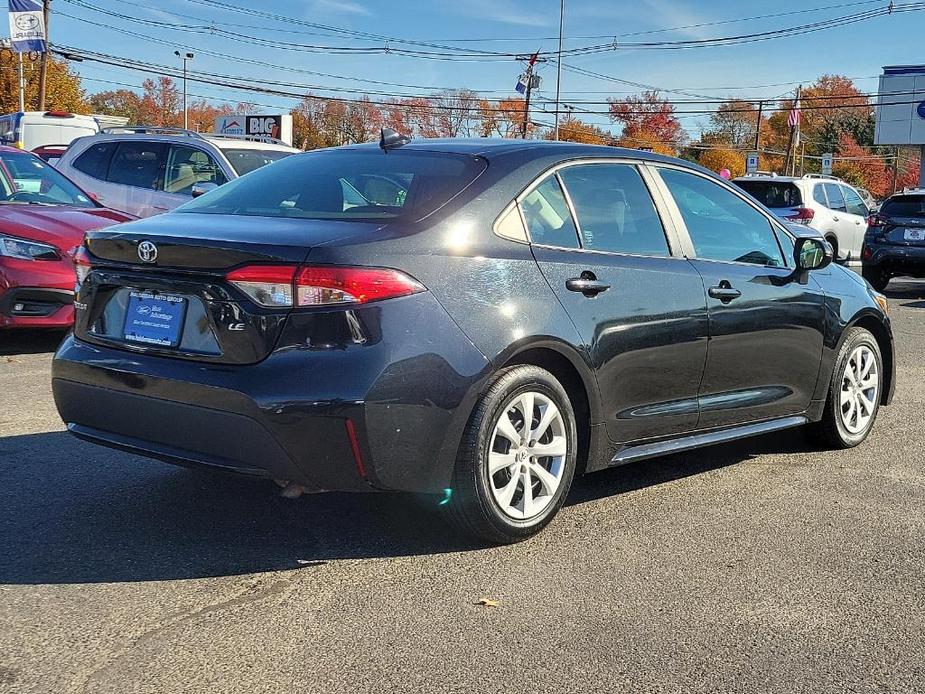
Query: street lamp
[{"x": 185, "y": 57}]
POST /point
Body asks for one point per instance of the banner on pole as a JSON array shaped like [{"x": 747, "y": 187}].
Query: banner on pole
[
  {"x": 827, "y": 164},
  {"x": 27, "y": 26}
]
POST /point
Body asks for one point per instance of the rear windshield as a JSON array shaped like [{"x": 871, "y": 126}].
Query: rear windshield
[
  {"x": 246, "y": 160},
  {"x": 906, "y": 206},
  {"x": 346, "y": 184},
  {"x": 772, "y": 193}
]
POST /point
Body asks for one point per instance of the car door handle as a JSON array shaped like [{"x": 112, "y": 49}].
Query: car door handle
[
  {"x": 724, "y": 292},
  {"x": 836, "y": 218},
  {"x": 589, "y": 286}
]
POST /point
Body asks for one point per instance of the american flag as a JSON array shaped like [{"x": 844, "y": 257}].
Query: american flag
[{"x": 793, "y": 120}]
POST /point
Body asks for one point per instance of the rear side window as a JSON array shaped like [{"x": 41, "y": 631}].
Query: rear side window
[
  {"x": 548, "y": 217},
  {"x": 138, "y": 164},
  {"x": 853, "y": 201},
  {"x": 614, "y": 209},
  {"x": 819, "y": 196},
  {"x": 773, "y": 194},
  {"x": 95, "y": 160},
  {"x": 905, "y": 206},
  {"x": 836, "y": 199},
  {"x": 346, "y": 184}
]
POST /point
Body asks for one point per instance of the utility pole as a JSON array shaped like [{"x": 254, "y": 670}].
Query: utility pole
[
  {"x": 895, "y": 169},
  {"x": 758, "y": 128},
  {"x": 22, "y": 85},
  {"x": 43, "y": 70},
  {"x": 795, "y": 118},
  {"x": 559, "y": 63},
  {"x": 185, "y": 57}
]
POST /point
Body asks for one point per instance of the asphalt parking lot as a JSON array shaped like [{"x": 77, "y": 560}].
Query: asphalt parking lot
[{"x": 756, "y": 567}]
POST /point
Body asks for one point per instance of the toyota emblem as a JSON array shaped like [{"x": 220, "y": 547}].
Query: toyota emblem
[{"x": 147, "y": 251}]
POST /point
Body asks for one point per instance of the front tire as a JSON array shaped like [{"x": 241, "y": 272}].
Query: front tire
[
  {"x": 854, "y": 392},
  {"x": 517, "y": 458}
]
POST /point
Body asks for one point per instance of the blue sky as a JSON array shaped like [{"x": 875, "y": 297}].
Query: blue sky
[{"x": 858, "y": 50}]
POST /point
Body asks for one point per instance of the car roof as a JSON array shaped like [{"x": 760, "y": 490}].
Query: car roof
[
  {"x": 220, "y": 141},
  {"x": 527, "y": 149},
  {"x": 230, "y": 142}
]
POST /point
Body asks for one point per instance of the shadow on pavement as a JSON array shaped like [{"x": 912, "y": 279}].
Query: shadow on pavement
[
  {"x": 29, "y": 341},
  {"x": 76, "y": 513}
]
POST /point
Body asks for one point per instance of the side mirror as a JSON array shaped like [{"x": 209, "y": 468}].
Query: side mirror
[
  {"x": 203, "y": 188},
  {"x": 812, "y": 254}
]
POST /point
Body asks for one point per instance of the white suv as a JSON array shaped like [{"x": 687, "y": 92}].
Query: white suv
[
  {"x": 824, "y": 203},
  {"x": 145, "y": 171}
]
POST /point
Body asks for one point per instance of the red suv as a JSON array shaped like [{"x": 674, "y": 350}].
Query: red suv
[{"x": 43, "y": 217}]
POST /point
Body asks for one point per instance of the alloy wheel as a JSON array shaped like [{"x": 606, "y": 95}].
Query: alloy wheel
[
  {"x": 859, "y": 390},
  {"x": 526, "y": 458}
]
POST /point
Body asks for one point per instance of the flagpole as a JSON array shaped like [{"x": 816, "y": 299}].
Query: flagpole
[
  {"x": 22, "y": 88},
  {"x": 43, "y": 72},
  {"x": 793, "y": 127}
]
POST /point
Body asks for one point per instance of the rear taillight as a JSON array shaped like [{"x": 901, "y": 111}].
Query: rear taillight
[
  {"x": 802, "y": 215},
  {"x": 875, "y": 221},
  {"x": 279, "y": 286},
  {"x": 81, "y": 263}
]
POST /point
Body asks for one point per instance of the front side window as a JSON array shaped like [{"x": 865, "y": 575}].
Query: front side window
[
  {"x": 94, "y": 161},
  {"x": 722, "y": 226},
  {"x": 836, "y": 199},
  {"x": 139, "y": 165},
  {"x": 854, "y": 202},
  {"x": 614, "y": 209},
  {"x": 246, "y": 160},
  {"x": 548, "y": 217},
  {"x": 188, "y": 167}
]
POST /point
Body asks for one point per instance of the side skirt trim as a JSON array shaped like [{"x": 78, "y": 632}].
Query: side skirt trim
[{"x": 630, "y": 454}]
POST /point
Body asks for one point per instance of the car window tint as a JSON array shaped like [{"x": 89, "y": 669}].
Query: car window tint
[
  {"x": 721, "y": 225},
  {"x": 819, "y": 196},
  {"x": 548, "y": 218},
  {"x": 138, "y": 164},
  {"x": 187, "y": 167},
  {"x": 95, "y": 160},
  {"x": 836, "y": 199},
  {"x": 774, "y": 194},
  {"x": 346, "y": 184},
  {"x": 854, "y": 202},
  {"x": 614, "y": 209},
  {"x": 904, "y": 206}
]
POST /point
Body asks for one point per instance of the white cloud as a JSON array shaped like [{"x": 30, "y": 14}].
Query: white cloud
[
  {"x": 341, "y": 7},
  {"x": 670, "y": 13},
  {"x": 505, "y": 12}
]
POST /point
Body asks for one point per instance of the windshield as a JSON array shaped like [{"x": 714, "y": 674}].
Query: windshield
[
  {"x": 27, "y": 179},
  {"x": 246, "y": 160},
  {"x": 906, "y": 206},
  {"x": 346, "y": 184},
  {"x": 773, "y": 194}
]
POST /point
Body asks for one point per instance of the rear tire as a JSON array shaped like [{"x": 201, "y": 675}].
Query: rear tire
[
  {"x": 514, "y": 468},
  {"x": 854, "y": 392},
  {"x": 877, "y": 277}
]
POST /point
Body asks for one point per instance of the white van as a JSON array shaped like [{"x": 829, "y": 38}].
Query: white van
[{"x": 30, "y": 129}]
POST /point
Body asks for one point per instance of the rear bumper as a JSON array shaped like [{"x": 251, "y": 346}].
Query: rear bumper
[
  {"x": 896, "y": 259},
  {"x": 386, "y": 413}
]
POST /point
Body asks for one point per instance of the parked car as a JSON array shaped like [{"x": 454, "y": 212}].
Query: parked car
[
  {"x": 895, "y": 241},
  {"x": 43, "y": 217},
  {"x": 496, "y": 318},
  {"x": 869, "y": 200},
  {"x": 147, "y": 171},
  {"x": 824, "y": 203},
  {"x": 30, "y": 129},
  {"x": 50, "y": 153}
]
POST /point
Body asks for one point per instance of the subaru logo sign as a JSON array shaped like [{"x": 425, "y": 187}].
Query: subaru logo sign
[
  {"x": 147, "y": 252},
  {"x": 920, "y": 109}
]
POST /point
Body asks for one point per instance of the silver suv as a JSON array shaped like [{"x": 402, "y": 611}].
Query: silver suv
[
  {"x": 145, "y": 171},
  {"x": 824, "y": 203}
]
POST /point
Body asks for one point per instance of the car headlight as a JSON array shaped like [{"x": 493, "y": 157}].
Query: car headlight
[
  {"x": 12, "y": 247},
  {"x": 882, "y": 302}
]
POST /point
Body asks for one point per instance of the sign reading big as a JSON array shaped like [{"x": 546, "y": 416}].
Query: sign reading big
[{"x": 265, "y": 127}]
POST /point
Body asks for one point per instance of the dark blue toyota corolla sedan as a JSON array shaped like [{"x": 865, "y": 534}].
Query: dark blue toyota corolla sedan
[{"x": 481, "y": 320}]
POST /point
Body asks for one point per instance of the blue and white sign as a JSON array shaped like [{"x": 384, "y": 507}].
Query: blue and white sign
[
  {"x": 827, "y": 160},
  {"x": 920, "y": 109},
  {"x": 27, "y": 26}
]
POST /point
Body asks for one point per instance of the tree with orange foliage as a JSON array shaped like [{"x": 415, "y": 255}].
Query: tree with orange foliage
[
  {"x": 648, "y": 122},
  {"x": 161, "y": 103},
  {"x": 721, "y": 158},
  {"x": 504, "y": 118},
  {"x": 573, "y": 130}
]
